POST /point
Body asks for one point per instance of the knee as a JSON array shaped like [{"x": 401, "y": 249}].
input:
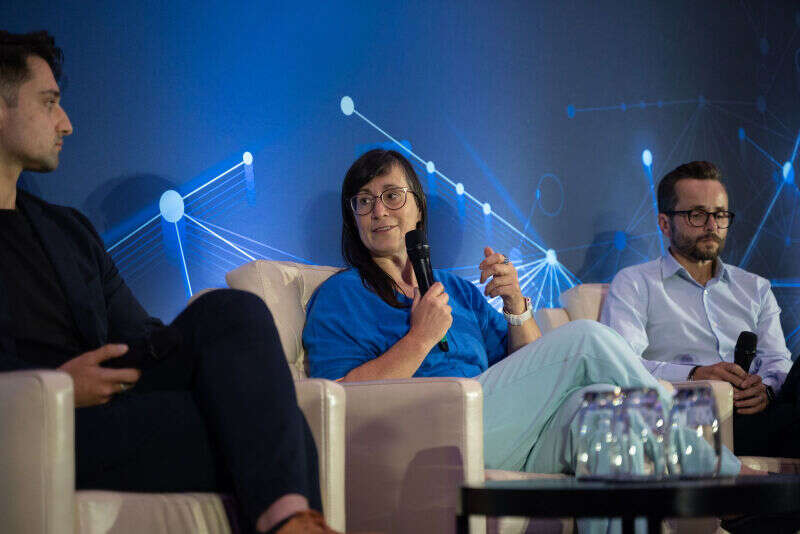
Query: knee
[
  {"x": 234, "y": 304},
  {"x": 603, "y": 340},
  {"x": 589, "y": 329}
]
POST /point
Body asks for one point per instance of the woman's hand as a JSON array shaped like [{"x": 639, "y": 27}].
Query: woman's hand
[
  {"x": 431, "y": 316},
  {"x": 504, "y": 283}
]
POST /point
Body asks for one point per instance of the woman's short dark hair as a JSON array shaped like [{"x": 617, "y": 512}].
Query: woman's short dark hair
[
  {"x": 372, "y": 164},
  {"x": 14, "y": 52},
  {"x": 696, "y": 170}
]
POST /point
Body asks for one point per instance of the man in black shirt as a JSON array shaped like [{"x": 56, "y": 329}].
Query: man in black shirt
[{"x": 204, "y": 404}]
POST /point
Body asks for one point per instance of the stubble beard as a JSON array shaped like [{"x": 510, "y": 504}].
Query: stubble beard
[{"x": 690, "y": 247}]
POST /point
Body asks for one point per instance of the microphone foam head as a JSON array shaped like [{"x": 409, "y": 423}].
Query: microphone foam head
[
  {"x": 747, "y": 341},
  {"x": 415, "y": 238}
]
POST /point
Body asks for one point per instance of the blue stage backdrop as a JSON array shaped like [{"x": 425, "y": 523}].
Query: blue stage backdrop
[{"x": 210, "y": 134}]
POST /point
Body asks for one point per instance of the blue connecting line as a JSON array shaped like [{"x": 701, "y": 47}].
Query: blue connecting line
[
  {"x": 183, "y": 260},
  {"x": 212, "y": 232},
  {"x": 752, "y": 244},
  {"x": 220, "y": 228},
  {"x": 764, "y": 152},
  {"x": 115, "y": 245},
  {"x": 448, "y": 180},
  {"x": 213, "y": 180}
]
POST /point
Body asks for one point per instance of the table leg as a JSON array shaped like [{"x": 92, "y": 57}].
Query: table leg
[
  {"x": 462, "y": 524},
  {"x": 654, "y": 525},
  {"x": 628, "y": 525}
]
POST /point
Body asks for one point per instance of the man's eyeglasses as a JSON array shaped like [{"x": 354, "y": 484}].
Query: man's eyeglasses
[
  {"x": 699, "y": 218},
  {"x": 393, "y": 198}
]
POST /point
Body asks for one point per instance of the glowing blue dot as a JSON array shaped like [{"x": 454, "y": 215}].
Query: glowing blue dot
[
  {"x": 788, "y": 241},
  {"x": 701, "y": 100},
  {"x": 741, "y": 134},
  {"x": 623, "y": 107},
  {"x": 430, "y": 167},
  {"x": 538, "y": 194},
  {"x": 620, "y": 240},
  {"x": 487, "y": 208},
  {"x": 347, "y": 105},
  {"x": 550, "y": 257},
  {"x": 171, "y": 206},
  {"x": 247, "y": 158},
  {"x": 647, "y": 157},
  {"x": 570, "y": 111},
  {"x": 763, "y": 45},
  {"x": 659, "y": 103},
  {"x": 788, "y": 175},
  {"x": 761, "y": 104},
  {"x": 459, "y": 189}
]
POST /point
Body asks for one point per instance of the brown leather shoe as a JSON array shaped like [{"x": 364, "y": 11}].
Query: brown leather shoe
[{"x": 306, "y": 522}]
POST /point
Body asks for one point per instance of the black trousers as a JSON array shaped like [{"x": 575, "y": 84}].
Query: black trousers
[
  {"x": 776, "y": 430},
  {"x": 218, "y": 415}
]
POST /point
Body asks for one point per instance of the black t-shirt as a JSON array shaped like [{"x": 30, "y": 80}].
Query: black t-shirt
[{"x": 43, "y": 326}]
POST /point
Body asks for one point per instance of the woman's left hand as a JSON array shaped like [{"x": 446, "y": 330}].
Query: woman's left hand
[{"x": 504, "y": 283}]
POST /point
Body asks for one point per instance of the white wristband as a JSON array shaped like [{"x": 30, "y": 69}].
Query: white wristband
[{"x": 517, "y": 320}]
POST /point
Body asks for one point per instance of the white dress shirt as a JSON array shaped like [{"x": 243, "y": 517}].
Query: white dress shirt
[{"x": 675, "y": 323}]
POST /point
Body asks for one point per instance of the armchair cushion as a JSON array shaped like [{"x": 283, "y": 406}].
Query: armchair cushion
[
  {"x": 285, "y": 287},
  {"x": 584, "y": 301}
]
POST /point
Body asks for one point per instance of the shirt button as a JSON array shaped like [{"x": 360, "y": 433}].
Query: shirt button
[{"x": 705, "y": 292}]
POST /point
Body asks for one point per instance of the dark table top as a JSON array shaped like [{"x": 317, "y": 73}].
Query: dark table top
[{"x": 568, "y": 497}]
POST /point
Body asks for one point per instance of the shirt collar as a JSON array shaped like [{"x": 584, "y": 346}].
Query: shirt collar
[{"x": 670, "y": 267}]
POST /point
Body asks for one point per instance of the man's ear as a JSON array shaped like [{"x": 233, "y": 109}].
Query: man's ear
[{"x": 663, "y": 224}]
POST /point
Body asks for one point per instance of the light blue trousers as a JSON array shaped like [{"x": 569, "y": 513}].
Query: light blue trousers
[{"x": 530, "y": 398}]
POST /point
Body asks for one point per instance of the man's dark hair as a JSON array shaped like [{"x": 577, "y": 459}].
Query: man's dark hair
[
  {"x": 372, "y": 164},
  {"x": 697, "y": 170},
  {"x": 14, "y": 52}
]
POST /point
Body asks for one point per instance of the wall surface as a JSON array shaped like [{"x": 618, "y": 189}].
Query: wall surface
[{"x": 544, "y": 112}]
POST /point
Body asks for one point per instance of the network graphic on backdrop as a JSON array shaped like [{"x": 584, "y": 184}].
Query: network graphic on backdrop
[{"x": 193, "y": 231}]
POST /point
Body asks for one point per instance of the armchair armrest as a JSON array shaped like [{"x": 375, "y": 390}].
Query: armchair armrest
[
  {"x": 323, "y": 404},
  {"x": 723, "y": 396},
  {"x": 37, "y": 455},
  {"x": 411, "y": 443}
]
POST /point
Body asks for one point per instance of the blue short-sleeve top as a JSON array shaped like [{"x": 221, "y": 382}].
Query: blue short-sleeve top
[{"x": 348, "y": 325}]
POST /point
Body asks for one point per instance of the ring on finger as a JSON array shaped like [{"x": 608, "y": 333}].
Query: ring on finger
[
  {"x": 505, "y": 260},
  {"x": 123, "y": 387}
]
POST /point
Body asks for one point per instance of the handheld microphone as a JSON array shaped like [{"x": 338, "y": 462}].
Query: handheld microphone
[
  {"x": 745, "y": 350},
  {"x": 420, "y": 255}
]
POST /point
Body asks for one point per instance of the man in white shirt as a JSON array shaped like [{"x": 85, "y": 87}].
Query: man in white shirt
[{"x": 684, "y": 311}]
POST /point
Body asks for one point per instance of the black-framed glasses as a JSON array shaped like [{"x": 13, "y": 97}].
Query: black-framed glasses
[
  {"x": 393, "y": 198},
  {"x": 699, "y": 218}
]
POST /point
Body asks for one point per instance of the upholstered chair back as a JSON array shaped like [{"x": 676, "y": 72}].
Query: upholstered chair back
[
  {"x": 286, "y": 288},
  {"x": 584, "y": 301}
]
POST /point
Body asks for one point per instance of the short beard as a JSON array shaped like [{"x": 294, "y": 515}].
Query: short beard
[{"x": 688, "y": 246}]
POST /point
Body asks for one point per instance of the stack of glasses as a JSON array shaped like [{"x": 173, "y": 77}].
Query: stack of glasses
[{"x": 625, "y": 434}]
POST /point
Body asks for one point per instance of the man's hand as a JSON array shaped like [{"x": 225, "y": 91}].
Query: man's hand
[
  {"x": 725, "y": 371},
  {"x": 751, "y": 397},
  {"x": 95, "y": 384}
]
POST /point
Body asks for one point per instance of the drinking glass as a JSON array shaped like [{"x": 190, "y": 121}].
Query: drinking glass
[
  {"x": 598, "y": 454},
  {"x": 640, "y": 429},
  {"x": 694, "y": 441}
]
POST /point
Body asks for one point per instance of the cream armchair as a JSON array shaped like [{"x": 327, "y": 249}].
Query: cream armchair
[
  {"x": 410, "y": 443},
  {"x": 37, "y": 467}
]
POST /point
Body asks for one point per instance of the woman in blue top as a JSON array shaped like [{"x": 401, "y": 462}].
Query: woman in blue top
[{"x": 370, "y": 323}]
